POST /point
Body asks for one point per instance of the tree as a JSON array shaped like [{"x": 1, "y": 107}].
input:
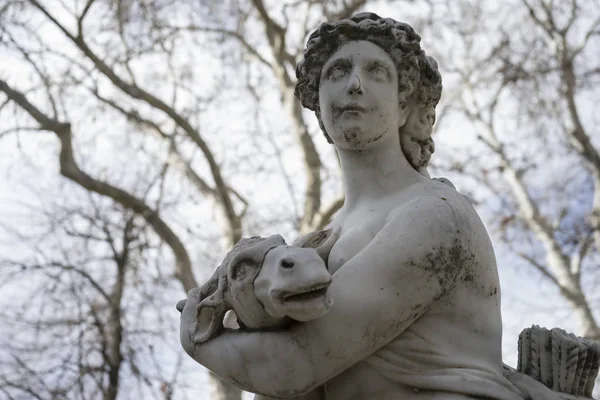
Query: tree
[
  {"x": 119, "y": 75},
  {"x": 90, "y": 280},
  {"x": 525, "y": 95}
]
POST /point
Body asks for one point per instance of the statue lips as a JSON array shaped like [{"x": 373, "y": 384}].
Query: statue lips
[{"x": 351, "y": 109}]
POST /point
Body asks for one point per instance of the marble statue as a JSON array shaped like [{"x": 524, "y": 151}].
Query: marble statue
[
  {"x": 414, "y": 281},
  {"x": 561, "y": 361},
  {"x": 267, "y": 284}
]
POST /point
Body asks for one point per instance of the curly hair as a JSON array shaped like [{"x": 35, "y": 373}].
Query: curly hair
[{"x": 418, "y": 74}]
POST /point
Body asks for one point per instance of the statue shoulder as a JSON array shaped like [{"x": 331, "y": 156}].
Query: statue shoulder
[
  {"x": 434, "y": 195},
  {"x": 435, "y": 208}
]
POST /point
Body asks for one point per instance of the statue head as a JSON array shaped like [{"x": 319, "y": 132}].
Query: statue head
[{"x": 419, "y": 81}]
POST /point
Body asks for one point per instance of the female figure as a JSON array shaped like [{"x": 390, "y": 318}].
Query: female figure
[{"x": 416, "y": 311}]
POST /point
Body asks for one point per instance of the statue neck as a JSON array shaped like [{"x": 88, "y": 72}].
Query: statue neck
[{"x": 375, "y": 173}]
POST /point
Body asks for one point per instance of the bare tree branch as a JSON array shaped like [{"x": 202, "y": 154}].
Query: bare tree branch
[
  {"x": 86, "y": 8},
  {"x": 235, "y": 228},
  {"x": 229, "y": 33},
  {"x": 530, "y": 214},
  {"x": 582, "y": 143},
  {"x": 275, "y": 34},
  {"x": 579, "y": 255},
  {"x": 312, "y": 163},
  {"x": 594, "y": 30},
  {"x": 542, "y": 269},
  {"x": 348, "y": 8},
  {"x": 70, "y": 169},
  {"x": 533, "y": 14},
  {"x": 177, "y": 158}
]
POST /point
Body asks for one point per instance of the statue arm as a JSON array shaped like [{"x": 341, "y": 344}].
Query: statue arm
[
  {"x": 415, "y": 258},
  {"x": 317, "y": 394}
]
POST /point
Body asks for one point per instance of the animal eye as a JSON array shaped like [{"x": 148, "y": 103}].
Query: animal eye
[{"x": 240, "y": 270}]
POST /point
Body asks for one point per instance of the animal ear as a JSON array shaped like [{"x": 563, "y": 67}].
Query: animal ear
[
  {"x": 312, "y": 239},
  {"x": 322, "y": 241},
  {"x": 325, "y": 247},
  {"x": 211, "y": 309},
  {"x": 209, "y": 318}
]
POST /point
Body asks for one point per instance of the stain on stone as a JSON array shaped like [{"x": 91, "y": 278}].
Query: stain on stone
[
  {"x": 376, "y": 138},
  {"x": 447, "y": 265},
  {"x": 468, "y": 278}
]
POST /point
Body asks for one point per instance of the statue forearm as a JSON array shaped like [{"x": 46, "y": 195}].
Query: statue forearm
[
  {"x": 252, "y": 282},
  {"x": 317, "y": 394},
  {"x": 268, "y": 363}
]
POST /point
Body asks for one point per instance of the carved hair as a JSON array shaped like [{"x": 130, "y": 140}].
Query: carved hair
[{"x": 419, "y": 80}]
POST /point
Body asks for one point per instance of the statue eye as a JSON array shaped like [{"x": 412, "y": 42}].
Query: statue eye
[
  {"x": 378, "y": 71},
  {"x": 338, "y": 69},
  {"x": 337, "y": 72}
]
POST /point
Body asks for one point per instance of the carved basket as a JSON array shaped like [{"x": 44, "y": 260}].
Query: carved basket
[{"x": 562, "y": 361}]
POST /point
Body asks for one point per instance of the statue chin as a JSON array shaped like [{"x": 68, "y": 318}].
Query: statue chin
[{"x": 356, "y": 137}]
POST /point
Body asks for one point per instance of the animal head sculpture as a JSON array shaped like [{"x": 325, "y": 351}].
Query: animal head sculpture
[{"x": 266, "y": 283}]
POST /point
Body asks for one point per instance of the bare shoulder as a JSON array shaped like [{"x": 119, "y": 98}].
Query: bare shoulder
[
  {"x": 437, "y": 230},
  {"x": 437, "y": 205}
]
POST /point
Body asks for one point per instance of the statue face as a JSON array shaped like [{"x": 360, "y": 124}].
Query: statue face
[{"x": 358, "y": 96}]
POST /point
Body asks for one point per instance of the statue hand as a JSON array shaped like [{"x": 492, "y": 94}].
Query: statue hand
[{"x": 530, "y": 388}]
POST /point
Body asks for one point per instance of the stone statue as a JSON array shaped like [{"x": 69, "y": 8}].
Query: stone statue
[
  {"x": 415, "y": 289},
  {"x": 267, "y": 284}
]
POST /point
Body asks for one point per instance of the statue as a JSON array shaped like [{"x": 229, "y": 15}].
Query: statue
[
  {"x": 266, "y": 284},
  {"x": 415, "y": 288}
]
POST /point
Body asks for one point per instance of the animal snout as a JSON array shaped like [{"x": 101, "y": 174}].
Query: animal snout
[{"x": 286, "y": 263}]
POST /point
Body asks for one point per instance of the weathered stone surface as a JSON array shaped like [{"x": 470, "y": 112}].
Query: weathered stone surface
[
  {"x": 265, "y": 283},
  {"x": 561, "y": 361},
  {"x": 415, "y": 285}
]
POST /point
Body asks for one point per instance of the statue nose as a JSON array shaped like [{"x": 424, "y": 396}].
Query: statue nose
[
  {"x": 287, "y": 264},
  {"x": 354, "y": 86}
]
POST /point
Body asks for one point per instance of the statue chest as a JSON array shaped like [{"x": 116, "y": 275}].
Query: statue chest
[{"x": 356, "y": 233}]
